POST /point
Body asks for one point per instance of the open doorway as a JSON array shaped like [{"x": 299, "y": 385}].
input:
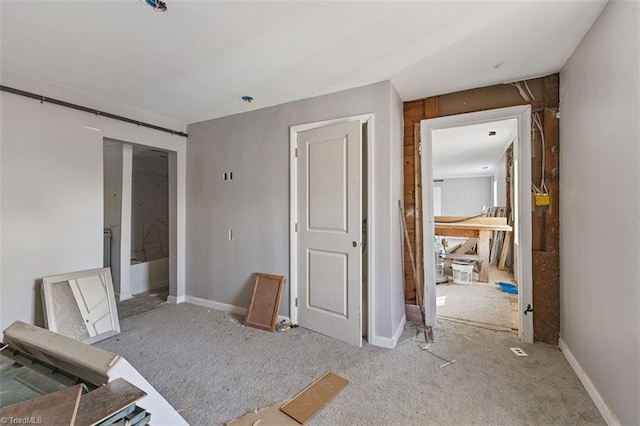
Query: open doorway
[
  {"x": 472, "y": 168},
  {"x": 137, "y": 225},
  {"x": 520, "y": 228}
]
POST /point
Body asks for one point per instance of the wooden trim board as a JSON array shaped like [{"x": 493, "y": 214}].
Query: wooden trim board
[
  {"x": 56, "y": 408},
  {"x": 107, "y": 400},
  {"x": 482, "y": 220},
  {"x": 265, "y": 302},
  {"x": 307, "y": 403}
]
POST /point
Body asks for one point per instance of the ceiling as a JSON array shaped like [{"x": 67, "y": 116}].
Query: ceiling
[
  {"x": 469, "y": 151},
  {"x": 198, "y": 59}
]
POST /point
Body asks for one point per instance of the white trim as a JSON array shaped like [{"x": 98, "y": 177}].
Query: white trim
[
  {"x": 293, "y": 212},
  {"x": 126, "y": 210},
  {"x": 176, "y": 300},
  {"x": 224, "y": 307},
  {"x": 389, "y": 342},
  {"x": 606, "y": 412},
  {"x": 293, "y": 219},
  {"x": 371, "y": 230},
  {"x": 123, "y": 297},
  {"x": 522, "y": 151}
]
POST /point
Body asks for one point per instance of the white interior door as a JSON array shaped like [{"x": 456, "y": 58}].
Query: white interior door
[
  {"x": 93, "y": 301},
  {"x": 329, "y": 211}
]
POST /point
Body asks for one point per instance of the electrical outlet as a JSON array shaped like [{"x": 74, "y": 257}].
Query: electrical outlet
[{"x": 518, "y": 352}]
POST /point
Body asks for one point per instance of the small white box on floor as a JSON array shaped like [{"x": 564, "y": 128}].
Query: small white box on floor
[{"x": 462, "y": 273}]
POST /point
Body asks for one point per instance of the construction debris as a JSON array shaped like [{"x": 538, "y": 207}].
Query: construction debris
[{"x": 282, "y": 326}]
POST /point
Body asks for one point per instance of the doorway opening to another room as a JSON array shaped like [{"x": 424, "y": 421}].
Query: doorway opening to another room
[
  {"x": 477, "y": 227},
  {"x": 472, "y": 168},
  {"x": 137, "y": 224}
]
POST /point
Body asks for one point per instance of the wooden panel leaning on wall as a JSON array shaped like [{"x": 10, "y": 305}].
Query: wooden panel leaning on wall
[{"x": 545, "y": 220}]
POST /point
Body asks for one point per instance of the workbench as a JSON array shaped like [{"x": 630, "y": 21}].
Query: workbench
[{"x": 481, "y": 231}]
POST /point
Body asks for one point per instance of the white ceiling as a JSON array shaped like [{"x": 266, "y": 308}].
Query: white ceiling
[
  {"x": 195, "y": 61},
  {"x": 469, "y": 151}
]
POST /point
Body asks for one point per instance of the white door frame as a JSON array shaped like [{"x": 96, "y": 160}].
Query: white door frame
[
  {"x": 522, "y": 150},
  {"x": 293, "y": 208}
]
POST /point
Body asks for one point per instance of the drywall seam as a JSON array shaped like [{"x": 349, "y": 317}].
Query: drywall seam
[
  {"x": 608, "y": 415},
  {"x": 224, "y": 307}
]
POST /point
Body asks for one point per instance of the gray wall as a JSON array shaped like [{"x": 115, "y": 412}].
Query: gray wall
[
  {"x": 465, "y": 196},
  {"x": 255, "y": 204},
  {"x": 51, "y": 188},
  {"x": 397, "y": 190},
  {"x": 600, "y": 163}
]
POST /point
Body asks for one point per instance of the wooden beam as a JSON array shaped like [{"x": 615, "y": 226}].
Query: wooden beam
[
  {"x": 483, "y": 252},
  {"x": 505, "y": 251},
  {"x": 480, "y": 220}
]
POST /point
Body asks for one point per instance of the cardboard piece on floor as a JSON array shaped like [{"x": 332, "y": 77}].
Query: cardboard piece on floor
[
  {"x": 269, "y": 416},
  {"x": 308, "y": 402},
  {"x": 265, "y": 302},
  {"x": 57, "y": 408}
]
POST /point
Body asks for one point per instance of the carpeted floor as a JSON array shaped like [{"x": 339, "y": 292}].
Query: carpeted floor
[{"x": 212, "y": 369}]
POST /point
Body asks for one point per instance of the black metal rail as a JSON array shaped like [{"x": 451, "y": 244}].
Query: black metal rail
[{"x": 89, "y": 110}]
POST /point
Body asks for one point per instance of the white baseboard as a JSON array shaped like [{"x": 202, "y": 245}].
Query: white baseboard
[
  {"x": 175, "y": 300},
  {"x": 389, "y": 342},
  {"x": 122, "y": 297},
  {"x": 608, "y": 415},
  {"x": 224, "y": 307}
]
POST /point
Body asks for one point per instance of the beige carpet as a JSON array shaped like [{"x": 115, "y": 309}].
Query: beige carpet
[{"x": 212, "y": 369}]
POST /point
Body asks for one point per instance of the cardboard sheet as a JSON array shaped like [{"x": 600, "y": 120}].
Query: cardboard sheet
[
  {"x": 269, "y": 416},
  {"x": 308, "y": 402}
]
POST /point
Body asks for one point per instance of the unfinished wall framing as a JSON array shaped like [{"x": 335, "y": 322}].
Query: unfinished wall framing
[{"x": 545, "y": 220}]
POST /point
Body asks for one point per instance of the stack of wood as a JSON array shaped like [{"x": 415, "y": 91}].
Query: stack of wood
[
  {"x": 501, "y": 241},
  {"x": 110, "y": 404}
]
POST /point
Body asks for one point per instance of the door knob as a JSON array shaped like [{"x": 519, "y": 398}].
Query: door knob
[{"x": 354, "y": 244}]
